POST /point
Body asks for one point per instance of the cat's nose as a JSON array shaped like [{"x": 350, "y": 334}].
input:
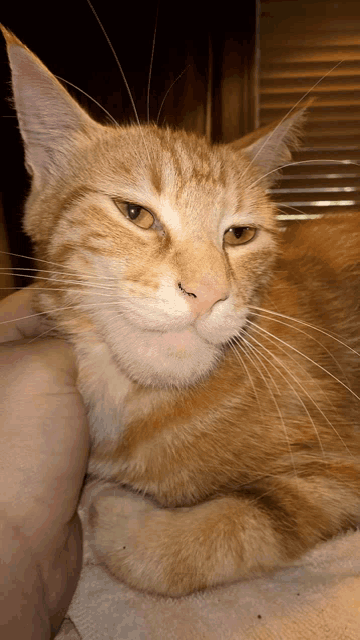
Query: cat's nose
[{"x": 203, "y": 295}]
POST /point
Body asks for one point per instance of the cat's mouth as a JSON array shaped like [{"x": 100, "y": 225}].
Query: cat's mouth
[
  {"x": 177, "y": 352},
  {"x": 179, "y": 343}
]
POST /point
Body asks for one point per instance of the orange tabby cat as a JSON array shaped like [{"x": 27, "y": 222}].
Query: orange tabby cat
[{"x": 216, "y": 353}]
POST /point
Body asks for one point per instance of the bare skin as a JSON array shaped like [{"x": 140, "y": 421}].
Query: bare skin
[{"x": 43, "y": 456}]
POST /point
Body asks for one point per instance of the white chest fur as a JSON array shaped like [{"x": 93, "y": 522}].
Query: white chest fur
[{"x": 104, "y": 388}]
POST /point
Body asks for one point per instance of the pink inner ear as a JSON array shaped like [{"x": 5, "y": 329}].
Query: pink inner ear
[
  {"x": 270, "y": 147},
  {"x": 48, "y": 116}
]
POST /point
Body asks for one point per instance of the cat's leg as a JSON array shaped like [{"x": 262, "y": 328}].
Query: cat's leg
[{"x": 177, "y": 551}]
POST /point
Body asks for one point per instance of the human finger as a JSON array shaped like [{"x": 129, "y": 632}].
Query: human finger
[
  {"x": 44, "y": 433},
  {"x": 18, "y": 319}
]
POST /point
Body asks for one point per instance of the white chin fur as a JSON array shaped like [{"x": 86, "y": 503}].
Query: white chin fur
[
  {"x": 165, "y": 359},
  {"x": 168, "y": 358}
]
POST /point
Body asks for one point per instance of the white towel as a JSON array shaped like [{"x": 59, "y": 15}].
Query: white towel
[{"x": 318, "y": 598}]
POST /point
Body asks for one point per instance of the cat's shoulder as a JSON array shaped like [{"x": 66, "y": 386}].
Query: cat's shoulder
[{"x": 333, "y": 238}]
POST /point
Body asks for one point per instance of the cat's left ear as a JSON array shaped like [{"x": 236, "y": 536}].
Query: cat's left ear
[
  {"x": 269, "y": 148},
  {"x": 50, "y": 121}
]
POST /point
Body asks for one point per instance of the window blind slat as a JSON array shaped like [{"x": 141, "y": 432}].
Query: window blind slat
[
  {"x": 317, "y": 114},
  {"x": 313, "y": 171},
  {"x": 321, "y": 183},
  {"x": 299, "y": 43},
  {"x": 302, "y": 212},
  {"x": 316, "y": 196},
  {"x": 314, "y": 69},
  {"x": 301, "y": 85}
]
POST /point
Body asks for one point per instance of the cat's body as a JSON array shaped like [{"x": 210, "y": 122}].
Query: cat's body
[{"x": 209, "y": 388}]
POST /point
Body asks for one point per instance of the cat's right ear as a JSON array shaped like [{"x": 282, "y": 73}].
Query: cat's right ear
[
  {"x": 270, "y": 147},
  {"x": 50, "y": 120}
]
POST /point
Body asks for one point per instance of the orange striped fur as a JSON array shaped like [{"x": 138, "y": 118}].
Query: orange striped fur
[{"x": 217, "y": 355}]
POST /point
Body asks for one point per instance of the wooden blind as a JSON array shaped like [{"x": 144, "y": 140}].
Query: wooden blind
[{"x": 300, "y": 42}]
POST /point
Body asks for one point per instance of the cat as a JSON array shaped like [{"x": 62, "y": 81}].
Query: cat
[{"x": 217, "y": 353}]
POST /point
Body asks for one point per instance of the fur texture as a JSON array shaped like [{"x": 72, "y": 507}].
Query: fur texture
[{"x": 217, "y": 354}]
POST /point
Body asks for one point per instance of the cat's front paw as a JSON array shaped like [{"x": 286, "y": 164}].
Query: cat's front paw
[
  {"x": 139, "y": 544},
  {"x": 121, "y": 523},
  {"x": 174, "y": 552}
]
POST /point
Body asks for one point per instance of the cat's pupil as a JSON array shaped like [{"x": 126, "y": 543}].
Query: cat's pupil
[
  {"x": 238, "y": 231},
  {"x": 133, "y": 211}
]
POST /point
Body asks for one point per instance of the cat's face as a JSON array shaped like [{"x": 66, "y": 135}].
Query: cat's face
[
  {"x": 144, "y": 273},
  {"x": 166, "y": 239}
]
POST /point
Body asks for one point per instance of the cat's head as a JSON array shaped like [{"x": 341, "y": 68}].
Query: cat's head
[{"x": 158, "y": 240}]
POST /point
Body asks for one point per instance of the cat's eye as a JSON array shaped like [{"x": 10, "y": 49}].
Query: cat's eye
[
  {"x": 136, "y": 213},
  {"x": 239, "y": 235}
]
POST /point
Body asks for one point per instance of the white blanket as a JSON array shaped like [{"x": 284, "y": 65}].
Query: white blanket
[{"x": 316, "y": 599}]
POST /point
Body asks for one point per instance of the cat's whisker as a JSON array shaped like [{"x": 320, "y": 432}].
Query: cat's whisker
[
  {"x": 292, "y": 208},
  {"x": 90, "y": 98},
  {"x": 255, "y": 351},
  {"x": 333, "y": 335},
  {"x": 273, "y": 341},
  {"x": 251, "y": 348},
  {"x": 151, "y": 64},
  {"x": 79, "y": 306},
  {"x": 292, "y": 164},
  {"x": 270, "y": 490},
  {"x": 122, "y": 73},
  {"x": 64, "y": 289},
  {"x": 314, "y": 456},
  {"x": 287, "y": 324},
  {"x": 267, "y": 140},
  {"x": 306, "y": 393},
  {"x": 32, "y": 315},
  {"x": 41, "y": 335},
  {"x": 60, "y": 273},
  {"x": 65, "y": 282},
  {"x": 292, "y": 388},
  {"x": 55, "y": 264},
  {"x": 247, "y": 347},
  {"x": 237, "y": 354},
  {"x": 116, "y": 59},
  {"x": 289, "y": 383},
  {"x": 238, "y": 342},
  {"x": 301, "y": 386},
  {"x": 168, "y": 91}
]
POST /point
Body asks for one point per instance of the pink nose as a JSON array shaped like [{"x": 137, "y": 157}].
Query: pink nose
[{"x": 202, "y": 296}]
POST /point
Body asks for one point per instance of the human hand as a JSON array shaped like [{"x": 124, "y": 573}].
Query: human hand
[{"x": 43, "y": 459}]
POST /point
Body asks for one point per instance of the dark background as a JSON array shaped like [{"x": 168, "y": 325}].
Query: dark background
[{"x": 208, "y": 46}]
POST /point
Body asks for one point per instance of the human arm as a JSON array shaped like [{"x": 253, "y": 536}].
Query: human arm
[{"x": 43, "y": 457}]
